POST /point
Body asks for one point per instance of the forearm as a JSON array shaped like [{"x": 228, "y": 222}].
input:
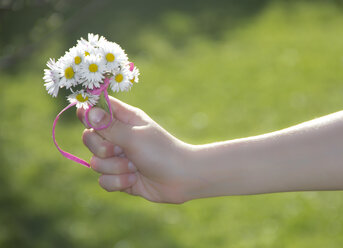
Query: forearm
[{"x": 308, "y": 156}]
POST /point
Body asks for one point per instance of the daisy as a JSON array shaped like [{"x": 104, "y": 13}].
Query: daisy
[
  {"x": 113, "y": 54},
  {"x": 83, "y": 99},
  {"x": 68, "y": 72},
  {"x": 96, "y": 40},
  {"x": 92, "y": 71},
  {"x": 87, "y": 49},
  {"x": 93, "y": 40},
  {"x": 120, "y": 81},
  {"x": 52, "y": 78},
  {"x": 134, "y": 74},
  {"x": 77, "y": 55}
]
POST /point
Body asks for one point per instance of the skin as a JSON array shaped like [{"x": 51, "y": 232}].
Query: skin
[{"x": 137, "y": 156}]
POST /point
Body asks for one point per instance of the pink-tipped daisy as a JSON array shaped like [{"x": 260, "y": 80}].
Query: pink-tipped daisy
[
  {"x": 113, "y": 55},
  {"x": 120, "y": 81},
  {"x": 134, "y": 75}
]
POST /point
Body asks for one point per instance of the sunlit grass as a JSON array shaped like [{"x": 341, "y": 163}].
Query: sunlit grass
[{"x": 281, "y": 67}]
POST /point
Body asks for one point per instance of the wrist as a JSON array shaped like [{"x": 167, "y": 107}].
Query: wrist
[
  {"x": 209, "y": 172},
  {"x": 237, "y": 167}
]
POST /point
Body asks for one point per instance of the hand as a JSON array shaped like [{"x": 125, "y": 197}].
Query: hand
[{"x": 136, "y": 155}]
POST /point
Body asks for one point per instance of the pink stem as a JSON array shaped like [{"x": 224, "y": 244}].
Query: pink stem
[
  {"x": 97, "y": 91},
  {"x": 64, "y": 153},
  {"x": 103, "y": 88}
]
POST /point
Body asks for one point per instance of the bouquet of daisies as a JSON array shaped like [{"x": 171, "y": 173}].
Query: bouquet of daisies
[
  {"x": 88, "y": 70},
  {"x": 86, "y": 67}
]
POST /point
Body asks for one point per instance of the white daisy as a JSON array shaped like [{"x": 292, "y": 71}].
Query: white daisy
[
  {"x": 68, "y": 73},
  {"x": 93, "y": 40},
  {"x": 52, "y": 78},
  {"x": 77, "y": 55},
  {"x": 92, "y": 71},
  {"x": 83, "y": 99},
  {"x": 96, "y": 40},
  {"x": 87, "y": 64},
  {"x": 120, "y": 81},
  {"x": 87, "y": 49},
  {"x": 113, "y": 54},
  {"x": 134, "y": 74}
]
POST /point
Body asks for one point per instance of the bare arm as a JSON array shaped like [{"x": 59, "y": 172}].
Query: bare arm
[
  {"x": 137, "y": 156},
  {"x": 308, "y": 156}
]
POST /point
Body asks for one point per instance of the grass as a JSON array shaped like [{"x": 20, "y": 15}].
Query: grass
[{"x": 273, "y": 69}]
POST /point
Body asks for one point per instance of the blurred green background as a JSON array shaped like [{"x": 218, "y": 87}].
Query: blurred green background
[{"x": 210, "y": 71}]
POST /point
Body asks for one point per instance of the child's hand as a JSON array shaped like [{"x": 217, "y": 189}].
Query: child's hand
[{"x": 136, "y": 155}]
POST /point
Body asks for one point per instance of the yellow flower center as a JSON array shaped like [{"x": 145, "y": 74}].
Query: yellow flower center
[
  {"x": 132, "y": 80},
  {"x": 69, "y": 73},
  {"x": 93, "y": 67},
  {"x": 110, "y": 57},
  {"x": 119, "y": 78},
  {"x": 77, "y": 60},
  {"x": 87, "y": 53},
  {"x": 80, "y": 98}
]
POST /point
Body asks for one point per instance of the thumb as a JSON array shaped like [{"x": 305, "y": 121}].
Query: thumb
[
  {"x": 117, "y": 132},
  {"x": 121, "y": 111},
  {"x": 124, "y": 118},
  {"x": 127, "y": 113}
]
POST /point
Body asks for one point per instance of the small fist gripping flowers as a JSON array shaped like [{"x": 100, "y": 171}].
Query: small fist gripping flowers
[{"x": 88, "y": 70}]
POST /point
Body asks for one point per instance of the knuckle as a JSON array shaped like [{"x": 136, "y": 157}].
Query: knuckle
[
  {"x": 103, "y": 150},
  {"x": 138, "y": 111},
  {"x": 117, "y": 182},
  {"x": 122, "y": 164}
]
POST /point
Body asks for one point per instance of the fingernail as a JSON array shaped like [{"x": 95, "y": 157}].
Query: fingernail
[
  {"x": 132, "y": 178},
  {"x": 96, "y": 115},
  {"x": 92, "y": 161},
  {"x": 117, "y": 150},
  {"x": 131, "y": 166}
]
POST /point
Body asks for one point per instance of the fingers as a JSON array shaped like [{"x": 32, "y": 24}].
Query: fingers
[
  {"x": 117, "y": 182},
  {"x": 98, "y": 145},
  {"x": 113, "y": 165},
  {"x": 117, "y": 132},
  {"x": 118, "y": 151},
  {"x": 125, "y": 117},
  {"x": 117, "y": 173},
  {"x": 121, "y": 111}
]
